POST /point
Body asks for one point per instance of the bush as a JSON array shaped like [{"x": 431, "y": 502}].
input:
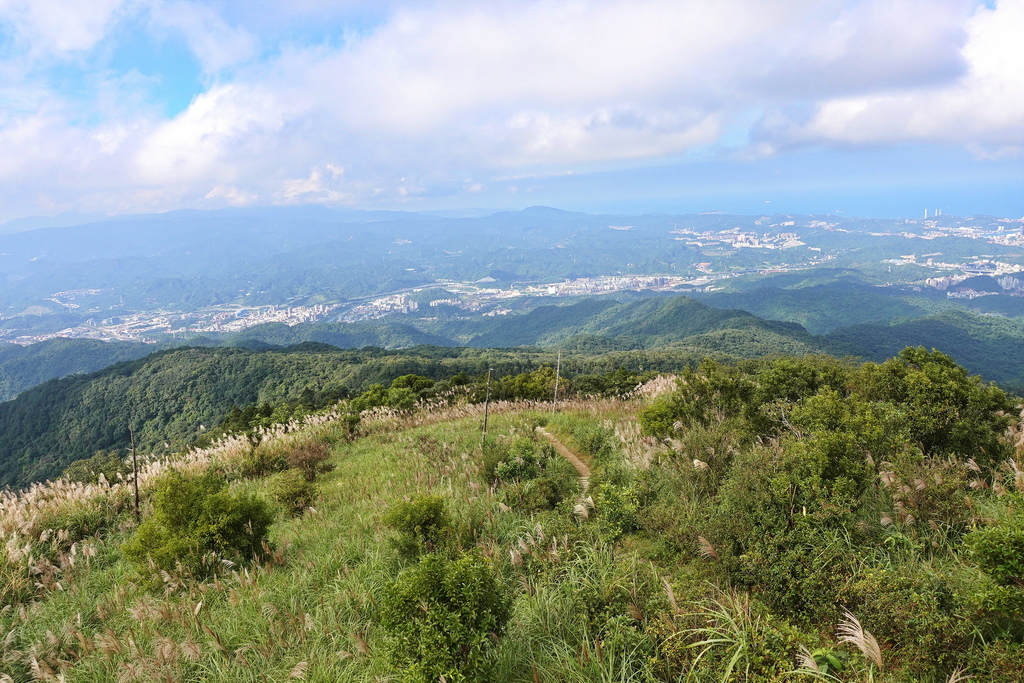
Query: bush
[
  {"x": 781, "y": 517},
  {"x": 916, "y": 612},
  {"x": 196, "y": 522},
  {"x": 945, "y": 411},
  {"x": 310, "y": 459},
  {"x": 523, "y": 461},
  {"x": 618, "y": 508},
  {"x": 260, "y": 462},
  {"x": 999, "y": 548},
  {"x": 534, "y": 495},
  {"x": 442, "y": 617},
  {"x": 423, "y": 525},
  {"x": 293, "y": 491}
]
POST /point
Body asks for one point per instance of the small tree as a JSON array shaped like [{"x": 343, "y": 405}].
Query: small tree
[{"x": 310, "y": 459}]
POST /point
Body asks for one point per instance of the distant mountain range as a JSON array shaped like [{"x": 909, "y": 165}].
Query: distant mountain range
[
  {"x": 169, "y": 394},
  {"x": 171, "y": 264},
  {"x": 877, "y": 326}
]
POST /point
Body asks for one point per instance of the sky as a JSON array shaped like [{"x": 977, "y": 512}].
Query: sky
[{"x": 880, "y": 108}]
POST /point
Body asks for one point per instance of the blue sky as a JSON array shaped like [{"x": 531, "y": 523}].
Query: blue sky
[{"x": 871, "y": 108}]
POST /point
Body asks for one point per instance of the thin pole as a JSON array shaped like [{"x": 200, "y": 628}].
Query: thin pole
[
  {"x": 135, "y": 473},
  {"x": 487, "y": 404},
  {"x": 558, "y": 374}
]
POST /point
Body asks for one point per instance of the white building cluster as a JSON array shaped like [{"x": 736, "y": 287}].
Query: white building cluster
[{"x": 378, "y": 308}]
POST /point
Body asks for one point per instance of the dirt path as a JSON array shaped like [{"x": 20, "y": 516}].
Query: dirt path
[{"x": 573, "y": 458}]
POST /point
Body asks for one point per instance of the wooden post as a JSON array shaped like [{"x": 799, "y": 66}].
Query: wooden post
[
  {"x": 558, "y": 374},
  {"x": 135, "y": 473},
  {"x": 487, "y": 405}
]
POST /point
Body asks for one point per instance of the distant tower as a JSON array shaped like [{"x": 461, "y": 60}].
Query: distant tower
[{"x": 926, "y": 213}]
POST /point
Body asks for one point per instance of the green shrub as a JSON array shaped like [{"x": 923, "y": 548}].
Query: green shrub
[
  {"x": 945, "y": 410},
  {"x": 494, "y": 454},
  {"x": 618, "y": 508},
  {"x": 534, "y": 495},
  {"x": 1001, "y": 661},
  {"x": 917, "y": 614},
  {"x": 523, "y": 460},
  {"x": 293, "y": 490},
  {"x": 259, "y": 462},
  {"x": 442, "y": 616},
  {"x": 999, "y": 549},
  {"x": 196, "y": 522},
  {"x": 423, "y": 525},
  {"x": 781, "y": 517},
  {"x": 706, "y": 395}
]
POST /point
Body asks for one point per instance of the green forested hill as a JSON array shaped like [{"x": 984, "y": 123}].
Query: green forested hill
[
  {"x": 991, "y": 346},
  {"x": 822, "y": 308},
  {"x": 388, "y": 335},
  {"x": 170, "y": 395},
  {"x": 650, "y": 323},
  {"x": 22, "y": 367}
]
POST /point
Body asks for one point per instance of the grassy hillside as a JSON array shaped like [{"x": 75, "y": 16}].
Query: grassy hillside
[{"x": 714, "y": 551}]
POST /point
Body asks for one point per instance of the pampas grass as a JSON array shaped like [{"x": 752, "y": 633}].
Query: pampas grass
[{"x": 851, "y": 631}]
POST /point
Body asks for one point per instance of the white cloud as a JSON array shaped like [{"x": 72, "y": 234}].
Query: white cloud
[
  {"x": 449, "y": 96},
  {"x": 982, "y": 109},
  {"x": 222, "y": 130},
  {"x": 57, "y": 27},
  {"x": 216, "y": 44}
]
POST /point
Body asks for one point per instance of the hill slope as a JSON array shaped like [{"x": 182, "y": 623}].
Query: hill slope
[
  {"x": 422, "y": 554},
  {"x": 991, "y": 346},
  {"x": 23, "y": 367},
  {"x": 650, "y": 323}
]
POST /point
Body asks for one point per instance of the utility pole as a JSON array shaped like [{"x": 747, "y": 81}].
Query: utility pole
[
  {"x": 487, "y": 404},
  {"x": 135, "y": 472}
]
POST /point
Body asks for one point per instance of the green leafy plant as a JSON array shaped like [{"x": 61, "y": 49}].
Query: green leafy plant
[
  {"x": 293, "y": 490},
  {"x": 442, "y": 617},
  {"x": 196, "y": 522},
  {"x": 999, "y": 549},
  {"x": 423, "y": 525}
]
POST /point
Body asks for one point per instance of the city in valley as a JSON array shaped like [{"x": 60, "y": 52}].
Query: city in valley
[{"x": 490, "y": 297}]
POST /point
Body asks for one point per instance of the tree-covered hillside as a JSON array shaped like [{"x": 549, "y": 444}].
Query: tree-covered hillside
[
  {"x": 991, "y": 346},
  {"x": 23, "y": 367},
  {"x": 170, "y": 396}
]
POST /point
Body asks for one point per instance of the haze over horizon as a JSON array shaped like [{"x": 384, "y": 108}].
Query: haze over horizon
[{"x": 870, "y": 108}]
